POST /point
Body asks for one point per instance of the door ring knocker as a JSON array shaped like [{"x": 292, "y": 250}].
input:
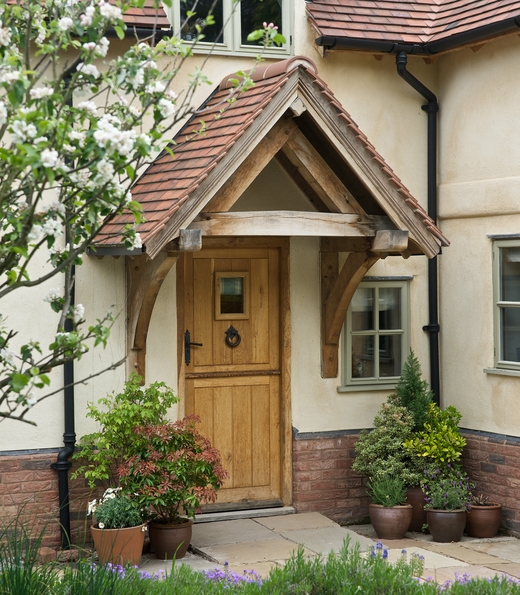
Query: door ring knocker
[{"x": 233, "y": 337}]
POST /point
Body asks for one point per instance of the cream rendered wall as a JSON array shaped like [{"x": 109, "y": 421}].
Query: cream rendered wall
[{"x": 479, "y": 194}]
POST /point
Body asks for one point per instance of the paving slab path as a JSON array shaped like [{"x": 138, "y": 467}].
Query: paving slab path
[{"x": 263, "y": 542}]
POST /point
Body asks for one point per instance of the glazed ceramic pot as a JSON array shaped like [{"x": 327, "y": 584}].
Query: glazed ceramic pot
[
  {"x": 415, "y": 496},
  {"x": 483, "y": 521},
  {"x": 390, "y": 522},
  {"x": 446, "y": 525},
  {"x": 119, "y": 546},
  {"x": 170, "y": 541}
]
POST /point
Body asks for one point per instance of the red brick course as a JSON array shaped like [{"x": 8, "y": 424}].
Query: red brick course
[
  {"x": 493, "y": 463},
  {"x": 323, "y": 479},
  {"x": 29, "y": 490}
]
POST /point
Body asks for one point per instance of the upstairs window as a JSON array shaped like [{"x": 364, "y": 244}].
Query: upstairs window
[
  {"x": 376, "y": 334},
  {"x": 234, "y": 21}
]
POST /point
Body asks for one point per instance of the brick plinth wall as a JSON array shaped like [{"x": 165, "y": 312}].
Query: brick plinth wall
[
  {"x": 323, "y": 479},
  {"x": 29, "y": 490},
  {"x": 493, "y": 462}
]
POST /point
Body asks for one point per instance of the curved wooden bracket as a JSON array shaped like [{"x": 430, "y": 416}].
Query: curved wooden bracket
[
  {"x": 336, "y": 294},
  {"x": 144, "y": 278}
]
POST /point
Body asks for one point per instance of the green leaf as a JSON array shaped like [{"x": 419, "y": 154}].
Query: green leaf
[
  {"x": 18, "y": 382},
  {"x": 119, "y": 32}
]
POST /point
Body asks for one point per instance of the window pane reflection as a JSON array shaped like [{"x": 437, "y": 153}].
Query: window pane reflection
[
  {"x": 390, "y": 355},
  {"x": 510, "y": 323},
  {"x": 212, "y": 33},
  {"x": 232, "y": 295},
  {"x": 390, "y": 308},
  {"x": 363, "y": 309},
  {"x": 255, "y": 12},
  {"x": 363, "y": 357}
]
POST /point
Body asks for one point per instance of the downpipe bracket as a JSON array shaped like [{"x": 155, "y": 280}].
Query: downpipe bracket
[{"x": 432, "y": 328}]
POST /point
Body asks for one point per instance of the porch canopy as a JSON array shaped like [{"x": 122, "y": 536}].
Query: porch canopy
[{"x": 359, "y": 205}]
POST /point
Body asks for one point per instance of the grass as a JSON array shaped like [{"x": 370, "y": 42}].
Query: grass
[{"x": 347, "y": 573}]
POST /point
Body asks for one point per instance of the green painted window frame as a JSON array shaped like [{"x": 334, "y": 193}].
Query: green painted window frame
[
  {"x": 231, "y": 43},
  {"x": 350, "y": 384},
  {"x": 499, "y": 305}
]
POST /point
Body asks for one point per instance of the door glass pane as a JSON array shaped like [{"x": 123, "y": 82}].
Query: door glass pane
[
  {"x": 232, "y": 295},
  {"x": 363, "y": 309},
  {"x": 255, "y": 12},
  {"x": 510, "y": 275},
  {"x": 389, "y": 308},
  {"x": 212, "y": 33},
  {"x": 363, "y": 356},
  {"x": 510, "y": 326},
  {"x": 389, "y": 355}
]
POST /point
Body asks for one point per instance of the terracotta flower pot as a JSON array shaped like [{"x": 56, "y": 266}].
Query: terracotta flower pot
[
  {"x": 415, "y": 496},
  {"x": 119, "y": 546},
  {"x": 170, "y": 541},
  {"x": 483, "y": 521},
  {"x": 446, "y": 525},
  {"x": 390, "y": 522}
]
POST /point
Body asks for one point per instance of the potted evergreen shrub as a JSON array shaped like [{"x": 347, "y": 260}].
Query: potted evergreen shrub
[
  {"x": 119, "y": 530},
  {"x": 172, "y": 473},
  {"x": 168, "y": 467},
  {"x": 389, "y": 514}
]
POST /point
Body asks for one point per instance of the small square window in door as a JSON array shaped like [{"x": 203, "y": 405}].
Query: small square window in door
[{"x": 231, "y": 295}]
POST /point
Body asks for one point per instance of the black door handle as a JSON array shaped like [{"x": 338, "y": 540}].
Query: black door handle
[{"x": 187, "y": 347}]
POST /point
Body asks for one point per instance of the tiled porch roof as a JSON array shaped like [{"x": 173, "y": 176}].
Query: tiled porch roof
[
  {"x": 167, "y": 183},
  {"x": 411, "y": 21}
]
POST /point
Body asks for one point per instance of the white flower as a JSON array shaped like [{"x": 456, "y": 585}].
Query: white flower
[
  {"x": 34, "y": 234},
  {"x": 166, "y": 108},
  {"x": 3, "y": 113},
  {"x": 88, "y": 106},
  {"x": 9, "y": 76},
  {"x": 68, "y": 148},
  {"x": 20, "y": 131},
  {"x": 74, "y": 135},
  {"x": 109, "y": 11},
  {"x": 41, "y": 139},
  {"x": 171, "y": 94},
  {"x": 101, "y": 525},
  {"x": 5, "y": 36},
  {"x": 39, "y": 92},
  {"x": 88, "y": 69},
  {"x": 89, "y": 46},
  {"x": 145, "y": 138},
  {"x": 52, "y": 227},
  {"x": 101, "y": 48},
  {"x": 85, "y": 20},
  {"x": 65, "y": 23},
  {"x": 52, "y": 296},
  {"x": 91, "y": 507},
  {"x": 156, "y": 87},
  {"x": 105, "y": 172},
  {"x": 78, "y": 313},
  {"x": 49, "y": 157},
  {"x": 136, "y": 242},
  {"x": 30, "y": 399},
  {"x": 55, "y": 206},
  {"x": 135, "y": 111},
  {"x": 8, "y": 356},
  {"x": 138, "y": 79}
]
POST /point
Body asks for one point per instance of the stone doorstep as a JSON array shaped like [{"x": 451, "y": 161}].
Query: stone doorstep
[{"x": 210, "y": 517}]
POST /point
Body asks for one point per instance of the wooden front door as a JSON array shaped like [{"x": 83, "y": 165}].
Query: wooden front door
[{"x": 232, "y": 382}]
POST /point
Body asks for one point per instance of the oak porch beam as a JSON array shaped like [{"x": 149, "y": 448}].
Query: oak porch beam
[
  {"x": 246, "y": 173},
  {"x": 315, "y": 170},
  {"x": 144, "y": 278},
  {"x": 289, "y": 223}
]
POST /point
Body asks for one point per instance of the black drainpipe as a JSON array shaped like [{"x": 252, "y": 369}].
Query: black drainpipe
[
  {"x": 62, "y": 464},
  {"x": 431, "y": 108}
]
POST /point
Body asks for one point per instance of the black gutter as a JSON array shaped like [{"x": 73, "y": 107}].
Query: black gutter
[
  {"x": 63, "y": 464},
  {"x": 424, "y": 49},
  {"x": 431, "y": 108},
  {"x": 141, "y": 33}
]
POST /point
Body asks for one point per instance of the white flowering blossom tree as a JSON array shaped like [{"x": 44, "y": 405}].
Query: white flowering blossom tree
[{"x": 72, "y": 136}]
